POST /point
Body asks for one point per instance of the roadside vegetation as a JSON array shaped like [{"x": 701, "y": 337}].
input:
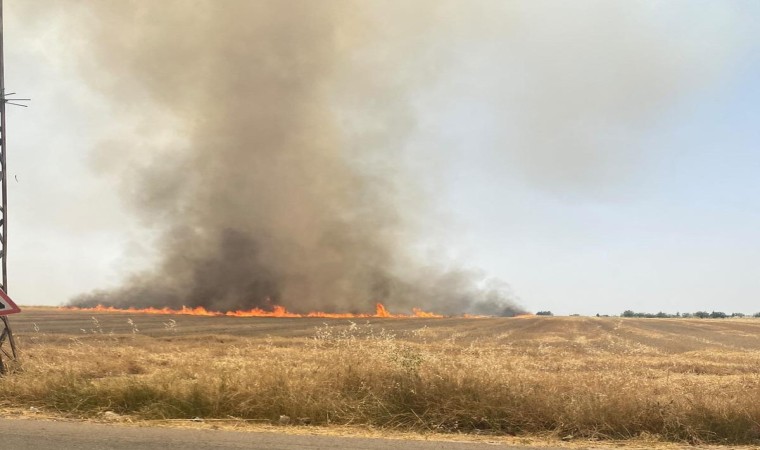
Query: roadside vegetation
[{"x": 574, "y": 378}]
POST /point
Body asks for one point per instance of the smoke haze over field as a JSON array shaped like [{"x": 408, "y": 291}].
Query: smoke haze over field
[
  {"x": 334, "y": 154},
  {"x": 285, "y": 183}
]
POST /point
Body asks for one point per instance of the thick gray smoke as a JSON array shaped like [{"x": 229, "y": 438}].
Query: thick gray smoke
[{"x": 284, "y": 179}]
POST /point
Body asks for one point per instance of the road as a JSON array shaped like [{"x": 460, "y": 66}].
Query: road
[{"x": 19, "y": 434}]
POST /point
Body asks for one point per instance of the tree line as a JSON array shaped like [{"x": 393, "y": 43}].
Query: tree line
[
  {"x": 663, "y": 315},
  {"x": 698, "y": 315}
]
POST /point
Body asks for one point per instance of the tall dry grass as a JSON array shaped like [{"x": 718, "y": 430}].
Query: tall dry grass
[{"x": 604, "y": 388}]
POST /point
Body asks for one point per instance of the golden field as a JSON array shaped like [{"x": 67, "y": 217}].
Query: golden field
[{"x": 682, "y": 380}]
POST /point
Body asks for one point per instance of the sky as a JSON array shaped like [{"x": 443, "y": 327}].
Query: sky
[{"x": 595, "y": 156}]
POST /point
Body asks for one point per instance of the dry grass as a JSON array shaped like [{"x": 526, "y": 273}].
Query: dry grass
[{"x": 695, "y": 381}]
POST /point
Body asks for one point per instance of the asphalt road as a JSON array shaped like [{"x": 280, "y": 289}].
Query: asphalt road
[{"x": 18, "y": 434}]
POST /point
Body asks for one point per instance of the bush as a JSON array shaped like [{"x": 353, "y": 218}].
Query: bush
[{"x": 544, "y": 313}]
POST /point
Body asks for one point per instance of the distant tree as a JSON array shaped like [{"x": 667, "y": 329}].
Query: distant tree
[
  {"x": 628, "y": 313},
  {"x": 544, "y": 313},
  {"x": 702, "y": 314},
  {"x": 737, "y": 314},
  {"x": 757, "y": 314},
  {"x": 662, "y": 315},
  {"x": 718, "y": 315},
  {"x": 687, "y": 315}
]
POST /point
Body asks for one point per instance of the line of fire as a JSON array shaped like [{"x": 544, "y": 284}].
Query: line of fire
[{"x": 381, "y": 312}]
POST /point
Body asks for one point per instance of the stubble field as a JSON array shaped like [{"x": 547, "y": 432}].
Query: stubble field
[{"x": 684, "y": 380}]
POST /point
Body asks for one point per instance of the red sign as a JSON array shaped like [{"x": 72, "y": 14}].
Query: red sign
[{"x": 6, "y": 305}]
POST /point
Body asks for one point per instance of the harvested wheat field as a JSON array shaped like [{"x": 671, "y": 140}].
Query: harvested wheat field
[{"x": 680, "y": 380}]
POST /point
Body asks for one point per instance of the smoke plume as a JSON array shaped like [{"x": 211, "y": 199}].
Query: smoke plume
[{"x": 282, "y": 179}]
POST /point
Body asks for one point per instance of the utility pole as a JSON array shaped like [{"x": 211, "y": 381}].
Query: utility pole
[{"x": 6, "y": 304}]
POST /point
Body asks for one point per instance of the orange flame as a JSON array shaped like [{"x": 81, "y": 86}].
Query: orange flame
[{"x": 277, "y": 311}]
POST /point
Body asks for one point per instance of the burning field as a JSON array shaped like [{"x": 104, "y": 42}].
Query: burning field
[
  {"x": 290, "y": 249},
  {"x": 275, "y": 311},
  {"x": 683, "y": 380}
]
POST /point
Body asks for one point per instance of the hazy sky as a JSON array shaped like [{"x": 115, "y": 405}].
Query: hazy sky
[{"x": 595, "y": 156}]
